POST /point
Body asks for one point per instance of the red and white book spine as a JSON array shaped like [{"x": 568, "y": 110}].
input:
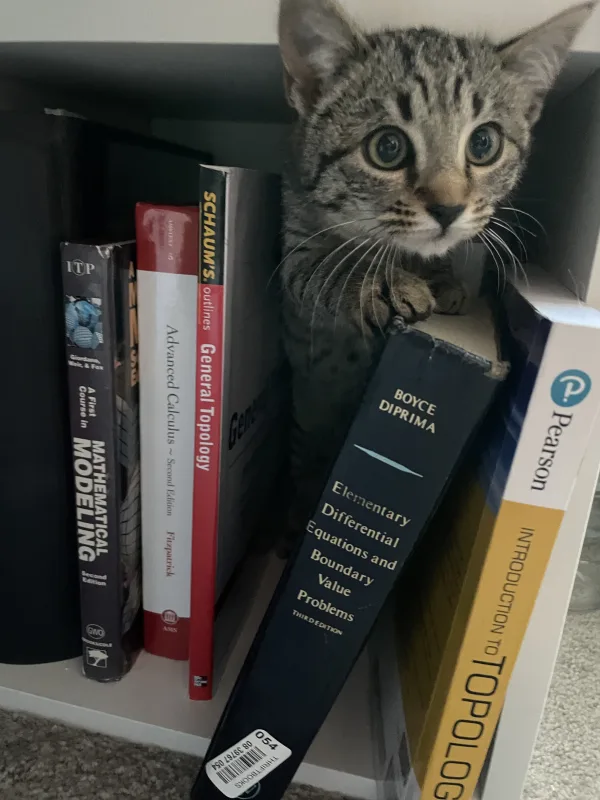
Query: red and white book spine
[
  {"x": 209, "y": 410},
  {"x": 167, "y": 239}
]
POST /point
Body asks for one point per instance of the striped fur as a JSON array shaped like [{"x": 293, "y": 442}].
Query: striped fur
[{"x": 360, "y": 243}]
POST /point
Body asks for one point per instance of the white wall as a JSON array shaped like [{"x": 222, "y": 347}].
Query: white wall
[{"x": 254, "y": 21}]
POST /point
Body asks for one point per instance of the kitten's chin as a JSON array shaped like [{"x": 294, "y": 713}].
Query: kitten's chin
[{"x": 432, "y": 247}]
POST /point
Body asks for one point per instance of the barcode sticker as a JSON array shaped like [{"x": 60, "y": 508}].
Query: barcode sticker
[{"x": 246, "y": 763}]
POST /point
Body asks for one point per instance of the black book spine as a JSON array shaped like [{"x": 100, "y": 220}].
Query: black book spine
[
  {"x": 101, "y": 342},
  {"x": 421, "y": 408}
]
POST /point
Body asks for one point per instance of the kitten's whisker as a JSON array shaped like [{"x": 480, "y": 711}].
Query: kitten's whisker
[
  {"x": 515, "y": 210},
  {"x": 391, "y": 281},
  {"x": 348, "y": 277},
  {"x": 314, "y": 236},
  {"x": 501, "y": 243},
  {"x": 382, "y": 260},
  {"x": 516, "y": 263},
  {"x": 389, "y": 267},
  {"x": 467, "y": 253},
  {"x": 364, "y": 285},
  {"x": 321, "y": 264},
  {"x": 334, "y": 272},
  {"x": 518, "y": 266},
  {"x": 361, "y": 293},
  {"x": 578, "y": 289},
  {"x": 501, "y": 224},
  {"x": 520, "y": 227},
  {"x": 486, "y": 243}
]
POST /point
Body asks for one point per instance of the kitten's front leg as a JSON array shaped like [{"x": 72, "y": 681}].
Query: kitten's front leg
[
  {"x": 404, "y": 295},
  {"x": 410, "y": 296},
  {"x": 451, "y": 296},
  {"x": 414, "y": 298}
]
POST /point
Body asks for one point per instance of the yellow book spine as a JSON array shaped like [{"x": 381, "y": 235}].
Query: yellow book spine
[{"x": 514, "y": 567}]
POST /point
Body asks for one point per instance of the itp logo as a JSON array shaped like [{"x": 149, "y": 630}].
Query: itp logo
[{"x": 571, "y": 388}]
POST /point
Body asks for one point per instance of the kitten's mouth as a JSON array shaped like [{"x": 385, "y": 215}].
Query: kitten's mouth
[{"x": 430, "y": 244}]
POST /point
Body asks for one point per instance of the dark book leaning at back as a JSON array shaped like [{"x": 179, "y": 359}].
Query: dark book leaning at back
[
  {"x": 102, "y": 365},
  {"x": 430, "y": 391}
]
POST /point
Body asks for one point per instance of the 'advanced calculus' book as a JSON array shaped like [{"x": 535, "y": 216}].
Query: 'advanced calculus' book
[
  {"x": 429, "y": 393},
  {"x": 167, "y": 243},
  {"x": 446, "y": 648},
  {"x": 100, "y": 309}
]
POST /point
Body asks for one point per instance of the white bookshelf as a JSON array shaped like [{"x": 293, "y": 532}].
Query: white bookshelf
[{"x": 208, "y": 75}]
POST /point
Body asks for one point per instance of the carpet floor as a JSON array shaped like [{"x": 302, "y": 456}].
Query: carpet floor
[
  {"x": 566, "y": 762},
  {"x": 40, "y": 759}
]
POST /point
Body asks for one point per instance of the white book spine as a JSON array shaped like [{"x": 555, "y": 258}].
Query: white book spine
[
  {"x": 528, "y": 688},
  {"x": 562, "y": 411},
  {"x": 167, "y": 323}
]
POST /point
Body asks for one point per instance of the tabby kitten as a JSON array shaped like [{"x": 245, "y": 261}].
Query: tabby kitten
[{"x": 406, "y": 142}]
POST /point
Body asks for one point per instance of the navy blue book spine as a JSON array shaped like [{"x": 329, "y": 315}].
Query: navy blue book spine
[{"x": 422, "y": 407}]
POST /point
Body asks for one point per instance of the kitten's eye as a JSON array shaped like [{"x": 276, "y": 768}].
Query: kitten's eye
[
  {"x": 388, "y": 148},
  {"x": 485, "y": 145}
]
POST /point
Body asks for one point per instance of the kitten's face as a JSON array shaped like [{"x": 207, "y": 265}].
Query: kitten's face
[
  {"x": 413, "y": 137},
  {"x": 418, "y": 141}
]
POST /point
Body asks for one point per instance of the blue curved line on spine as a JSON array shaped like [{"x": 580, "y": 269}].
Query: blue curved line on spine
[{"x": 388, "y": 461}]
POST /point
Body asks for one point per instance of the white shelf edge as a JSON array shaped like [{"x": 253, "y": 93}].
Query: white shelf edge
[{"x": 95, "y": 721}]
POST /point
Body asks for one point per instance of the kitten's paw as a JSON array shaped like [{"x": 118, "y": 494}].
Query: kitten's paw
[
  {"x": 412, "y": 298},
  {"x": 451, "y": 296},
  {"x": 376, "y": 310}
]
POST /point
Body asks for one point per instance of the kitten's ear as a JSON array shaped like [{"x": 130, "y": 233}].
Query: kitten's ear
[
  {"x": 315, "y": 36},
  {"x": 539, "y": 54}
]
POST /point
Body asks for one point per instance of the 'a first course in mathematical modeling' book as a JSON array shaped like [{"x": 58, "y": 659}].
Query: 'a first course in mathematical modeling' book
[
  {"x": 445, "y": 649},
  {"x": 102, "y": 362},
  {"x": 431, "y": 389}
]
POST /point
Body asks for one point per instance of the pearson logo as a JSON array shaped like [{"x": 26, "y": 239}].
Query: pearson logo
[
  {"x": 571, "y": 388},
  {"x": 568, "y": 390}
]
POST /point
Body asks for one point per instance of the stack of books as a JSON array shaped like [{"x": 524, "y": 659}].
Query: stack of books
[{"x": 177, "y": 392}]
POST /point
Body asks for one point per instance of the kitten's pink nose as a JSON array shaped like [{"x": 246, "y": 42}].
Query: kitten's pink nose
[{"x": 445, "y": 215}]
